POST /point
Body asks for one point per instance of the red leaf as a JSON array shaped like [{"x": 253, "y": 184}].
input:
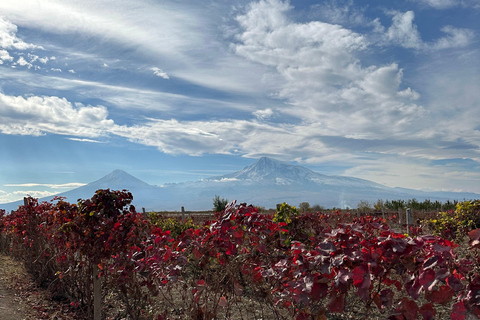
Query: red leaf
[
  {"x": 443, "y": 295},
  {"x": 319, "y": 291},
  {"x": 430, "y": 262},
  {"x": 427, "y": 279},
  {"x": 458, "y": 311},
  {"x": 454, "y": 283},
  {"x": 238, "y": 234},
  {"x": 474, "y": 236},
  {"x": 386, "y": 296},
  {"x": 427, "y": 311},
  {"x": 361, "y": 277},
  {"x": 408, "y": 308},
  {"x": 222, "y": 302},
  {"x": 237, "y": 288},
  {"x": 302, "y": 316},
  {"x": 336, "y": 303}
]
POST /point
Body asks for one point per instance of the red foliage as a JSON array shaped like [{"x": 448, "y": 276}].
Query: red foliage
[{"x": 309, "y": 266}]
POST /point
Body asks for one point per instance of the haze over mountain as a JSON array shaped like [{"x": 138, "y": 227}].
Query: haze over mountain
[{"x": 264, "y": 183}]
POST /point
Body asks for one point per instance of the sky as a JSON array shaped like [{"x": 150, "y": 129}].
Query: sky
[{"x": 174, "y": 91}]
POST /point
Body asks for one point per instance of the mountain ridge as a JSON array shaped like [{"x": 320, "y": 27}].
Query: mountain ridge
[{"x": 265, "y": 182}]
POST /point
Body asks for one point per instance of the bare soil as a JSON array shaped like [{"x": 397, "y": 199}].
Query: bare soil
[{"x": 21, "y": 300}]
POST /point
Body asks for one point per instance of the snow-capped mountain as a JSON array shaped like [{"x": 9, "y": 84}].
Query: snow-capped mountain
[
  {"x": 268, "y": 170},
  {"x": 266, "y": 183}
]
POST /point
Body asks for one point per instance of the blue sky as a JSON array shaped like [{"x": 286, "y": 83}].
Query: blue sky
[{"x": 174, "y": 91}]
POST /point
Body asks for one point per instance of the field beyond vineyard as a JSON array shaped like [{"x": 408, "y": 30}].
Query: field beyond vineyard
[{"x": 242, "y": 264}]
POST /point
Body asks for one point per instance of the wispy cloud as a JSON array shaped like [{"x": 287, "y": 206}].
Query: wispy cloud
[
  {"x": 70, "y": 185},
  {"x": 445, "y": 4},
  {"x": 328, "y": 83},
  {"x": 6, "y": 197},
  {"x": 85, "y": 140},
  {"x": 160, "y": 73}
]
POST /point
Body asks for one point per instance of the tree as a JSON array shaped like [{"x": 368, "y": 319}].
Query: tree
[
  {"x": 304, "y": 206},
  {"x": 364, "y": 206},
  {"x": 379, "y": 205},
  {"x": 317, "y": 208},
  {"x": 219, "y": 204}
]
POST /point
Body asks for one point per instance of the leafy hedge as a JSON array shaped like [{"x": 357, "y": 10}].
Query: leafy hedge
[{"x": 291, "y": 266}]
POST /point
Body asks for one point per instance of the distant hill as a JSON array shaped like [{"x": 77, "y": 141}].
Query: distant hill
[{"x": 263, "y": 183}]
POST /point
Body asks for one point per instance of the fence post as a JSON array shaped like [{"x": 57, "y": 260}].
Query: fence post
[
  {"x": 183, "y": 213},
  {"x": 383, "y": 213},
  {"x": 408, "y": 218},
  {"x": 25, "y": 201},
  {"x": 97, "y": 294}
]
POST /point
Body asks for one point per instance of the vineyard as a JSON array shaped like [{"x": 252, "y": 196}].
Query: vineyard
[{"x": 242, "y": 264}]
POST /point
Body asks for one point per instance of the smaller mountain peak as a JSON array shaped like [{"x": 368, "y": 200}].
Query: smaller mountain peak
[
  {"x": 118, "y": 179},
  {"x": 119, "y": 172}
]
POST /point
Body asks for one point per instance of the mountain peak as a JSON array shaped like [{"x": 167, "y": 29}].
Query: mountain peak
[
  {"x": 119, "y": 179},
  {"x": 270, "y": 169}
]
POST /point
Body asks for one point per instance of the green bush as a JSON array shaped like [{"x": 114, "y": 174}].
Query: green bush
[
  {"x": 219, "y": 204},
  {"x": 285, "y": 213},
  {"x": 175, "y": 226},
  {"x": 453, "y": 224}
]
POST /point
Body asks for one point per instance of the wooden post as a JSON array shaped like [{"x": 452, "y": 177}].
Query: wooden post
[
  {"x": 383, "y": 213},
  {"x": 97, "y": 294},
  {"x": 25, "y": 201},
  {"x": 183, "y": 213}
]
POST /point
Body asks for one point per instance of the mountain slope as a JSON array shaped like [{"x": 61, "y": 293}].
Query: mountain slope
[{"x": 266, "y": 182}]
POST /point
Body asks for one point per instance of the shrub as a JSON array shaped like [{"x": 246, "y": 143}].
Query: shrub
[
  {"x": 219, "y": 204},
  {"x": 285, "y": 213},
  {"x": 453, "y": 224},
  {"x": 175, "y": 226}
]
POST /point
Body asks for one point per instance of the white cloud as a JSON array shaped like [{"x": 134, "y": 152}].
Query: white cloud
[
  {"x": 69, "y": 185},
  {"x": 340, "y": 12},
  {"x": 21, "y": 61},
  {"x": 39, "y": 115},
  {"x": 456, "y": 38},
  {"x": 263, "y": 114},
  {"x": 322, "y": 78},
  {"x": 56, "y": 69},
  {"x": 71, "y": 71},
  {"x": 43, "y": 60},
  {"x": 409, "y": 94},
  {"x": 5, "y": 56},
  {"x": 403, "y": 31},
  {"x": 8, "y": 37},
  {"x": 160, "y": 73},
  {"x": 445, "y": 4},
  {"x": 154, "y": 28},
  {"x": 84, "y": 140},
  {"x": 6, "y": 197}
]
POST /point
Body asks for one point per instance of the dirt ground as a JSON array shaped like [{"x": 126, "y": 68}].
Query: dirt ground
[
  {"x": 21, "y": 300},
  {"x": 11, "y": 305}
]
